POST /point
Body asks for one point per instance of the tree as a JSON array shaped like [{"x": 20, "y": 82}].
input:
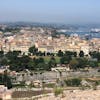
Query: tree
[
  {"x": 69, "y": 53},
  {"x": 38, "y": 60},
  {"x": 65, "y": 59},
  {"x": 41, "y": 60},
  {"x": 31, "y": 65},
  {"x": 39, "y": 53},
  {"x": 1, "y": 53},
  {"x": 16, "y": 53},
  {"x": 5, "y": 79},
  {"x": 60, "y": 53},
  {"x": 58, "y": 91},
  {"x": 93, "y": 64},
  {"x": 73, "y": 82},
  {"x": 81, "y": 54},
  {"x": 41, "y": 66},
  {"x": 75, "y": 54},
  {"x": 95, "y": 54},
  {"x": 4, "y": 61},
  {"x": 24, "y": 61},
  {"x": 33, "y": 50},
  {"x": 11, "y": 55},
  {"x": 52, "y": 62},
  {"x": 20, "y": 63},
  {"x": 83, "y": 62},
  {"x": 48, "y": 53},
  {"x": 74, "y": 64}
]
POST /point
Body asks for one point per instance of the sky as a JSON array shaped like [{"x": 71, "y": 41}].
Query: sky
[{"x": 50, "y": 11}]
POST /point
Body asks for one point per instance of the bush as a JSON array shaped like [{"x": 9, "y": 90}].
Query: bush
[
  {"x": 50, "y": 85},
  {"x": 98, "y": 70},
  {"x": 73, "y": 82},
  {"x": 58, "y": 91},
  {"x": 97, "y": 82}
]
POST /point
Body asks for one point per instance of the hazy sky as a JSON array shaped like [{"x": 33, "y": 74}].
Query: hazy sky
[{"x": 60, "y": 11}]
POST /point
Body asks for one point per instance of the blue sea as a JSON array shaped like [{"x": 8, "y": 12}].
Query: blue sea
[{"x": 85, "y": 34}]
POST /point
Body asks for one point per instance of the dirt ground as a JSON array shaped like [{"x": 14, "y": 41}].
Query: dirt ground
[{"x": 76, "y": 95}]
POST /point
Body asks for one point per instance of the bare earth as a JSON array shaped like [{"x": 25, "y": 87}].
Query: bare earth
[{"x": 76, "y": 95}]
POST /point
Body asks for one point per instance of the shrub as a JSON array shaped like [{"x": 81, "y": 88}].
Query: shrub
[
  {"x": 50, "y": 85},
  {"x": 58, "y": 91},
  {"x": 73, "y": 82}
]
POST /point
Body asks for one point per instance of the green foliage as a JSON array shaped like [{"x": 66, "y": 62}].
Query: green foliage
[
  {"x": 52, "y": 62},
  {"x": 50, "y": 85},
  {"x": 93, "y": 64},
  {"x": 33, "y": 50},
  {"x": 18, "y": 85},
  {"x": 4, "y": 61},
  {"x": 31, "y": 65},
  {"x": 1, "y": 53},
  {"x": 41, "y": 66},
  {"x": 58, "y": 91},
  {"x": 65, "y": 59},
  {"x": 70, "y": 53},
  {"x": 73, "y": 82},
  {"x": 18, "y": 62},
  {"x": 60, "y": 53},
  {"x": 48, "y": 58},
  {"x": 74, "y": 63},
  {"x": 13, "y": 54},
  {"x": 95, "y": 54},
  {"x": 82, "y": 62},
  {"x": 5, "y": 79},
  {"x": 81, "y": 54}
]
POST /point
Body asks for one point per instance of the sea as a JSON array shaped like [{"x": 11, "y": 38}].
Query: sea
[{"x": 85, "y": 32}]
